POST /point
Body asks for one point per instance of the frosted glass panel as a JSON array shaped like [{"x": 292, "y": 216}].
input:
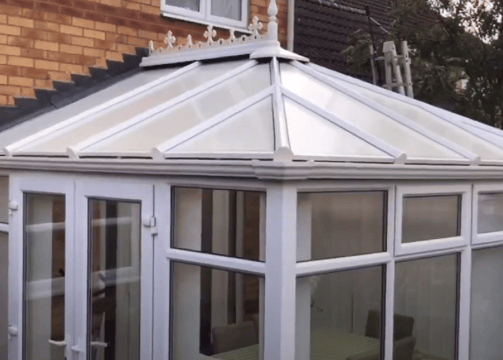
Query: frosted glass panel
[
  {"x": 250, "y": 131},
  {"x": 339, "y": 315},
  {"x": 127, "y": 109},
  {"x": 223, "y": 222},
  {"x": 490, "y": 217},
  {"x": 230, "y": 9},
  {"x": 185, "y": 4},
  {"x": 431, "y": 217},
  {"x": 4, "y": 293},
  {"x": 216, "y": 313},
  {"x": 325, "y": 138},
  {"x": 435, "y": 124},
  {"x": 486, "y": 325},
  {"x": 114, "y": 293},
  {"x": 341, "y": 224},
  {"x": 4, "y": 199},
  {"x": 187, "y": 114},
  {"x": 415, "y": 145},
  {"x": 426, "y": 295},
  {"x": 44, "y": 298}
]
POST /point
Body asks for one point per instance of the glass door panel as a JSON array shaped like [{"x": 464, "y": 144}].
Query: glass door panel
[
  {"x": 44, "y": 299},
  {"x": 114, "y": 280}
]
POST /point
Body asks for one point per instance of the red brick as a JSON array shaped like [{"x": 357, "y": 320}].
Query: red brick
[
  {"x": 94, "y": 52},
  {"x": 22, "y": 3},
  {"x": 58, "y": 18},
  {"x": 59, "y": 76},
  {"x": 10, "y": 30},
  {"x": 105, "y": 45},
  {"x": 47, "y": 65},
  {"x": 9, "y": 10},
  {"x": 89, "y": 24},
  {"x": 19, "y": 21},
  {"x": 71, "y": 30},
  {"x": 3, "y": 39},
  {"x": 34, "y": 34},
  {"x": 116, "y": 38},
  {"x": 20, "y": 81},
  {"x": 65, "y": 10},
  {"x": 3, "y": 59},
  {"x": 59, "y": 57},
  {"x": 10, "y": 70},
  {"x": 96, "y": 16},
  {"x": 127, "y": 31},
  {"x": 137, "y": 41},
  {"x": 28, "y": 92},
  {"x": 34, "y": 73},
  {"x": 60, "y": 2},
  {"x": 75, "y": 69},
  {"x": 42, "y": 6},
  {"x": 105, "y": 27},
  {"x": 59, "y": 38},
  {"x": 82, "y": 41},
  {"x": 44, "y": 84},
  {"x": 71, "y": 49},
  {"x": 44, "y": 25},
  {"x": 10, "y": 90},
  {"x": 94, "y": 34},
  {"x": 20, "y": 61},
  {"x": 32, "y": 14},
  {"x": 82, "y": 4},
  {"x": 34, "y": 53},
  {"x": 126, "y": 49}
]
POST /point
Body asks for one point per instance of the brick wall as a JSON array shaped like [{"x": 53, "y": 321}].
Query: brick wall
[{"x": 45, "y": 40}]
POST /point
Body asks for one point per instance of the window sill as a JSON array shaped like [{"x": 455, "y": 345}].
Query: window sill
[{"x": 205, "y": 22}]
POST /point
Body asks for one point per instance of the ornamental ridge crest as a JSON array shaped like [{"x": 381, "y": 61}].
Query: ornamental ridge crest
[{"x": 210, "y": 34}]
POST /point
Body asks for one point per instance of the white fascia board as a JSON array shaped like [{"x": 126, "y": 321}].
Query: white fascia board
[
  {"x": 221, "y": 155},
  {"x": 345, "y": 159},
  {"x": 264, "y": 170},
  {"x": 160, "y": 108},
  {"x": 208, "y": 124},
  {"x": 281, "y": 135},
  {"x": 475, "y": 159},
  {"x": 10, "y": 149},
  {"x": 398, "y": 156}
]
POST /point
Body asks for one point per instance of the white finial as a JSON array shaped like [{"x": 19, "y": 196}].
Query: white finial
[
  {"x": 272, "y": 27},
  {"x": 170, "y": 40},
  {"x": 210, "y": 34},
  {"x": 255, "y": 26}
]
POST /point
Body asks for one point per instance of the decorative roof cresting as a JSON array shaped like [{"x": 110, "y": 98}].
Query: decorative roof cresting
[{"x": 210, "y": 35}]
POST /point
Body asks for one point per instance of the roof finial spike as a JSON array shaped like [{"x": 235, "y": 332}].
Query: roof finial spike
[{"x": 272, "y": 27}]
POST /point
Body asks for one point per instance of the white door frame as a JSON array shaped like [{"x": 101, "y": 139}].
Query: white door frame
[
  {"x": 48, "y": 184},
  {"x": 119, "y": 190}
]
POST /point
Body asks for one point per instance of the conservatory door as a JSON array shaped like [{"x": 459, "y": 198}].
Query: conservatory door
[
  {"x": 41, "y": 271},
  {"x": 115, "y": 228}
]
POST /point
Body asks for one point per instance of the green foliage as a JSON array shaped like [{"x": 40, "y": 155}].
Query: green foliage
[{"x": 443, "y": 53}]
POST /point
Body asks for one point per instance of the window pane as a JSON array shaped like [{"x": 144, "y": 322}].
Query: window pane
[
  {"x": 339, "y": 315},
  {"x": 223, "y": 222},
  {"x": 487, "y": 308},
  {"x": 4, "y": 294},
  {"x": 490, "y": 213},
  {"x": 426, "y": 295},
  {"x": 230, "y": 9},
  {"x": 4, "y": 199},
  {"x": 332, "y": 225},
  {"x": 430, "y": 217},
  {"x": 114, "y": 294},
  {"x": 184, "y": 4},
  {"x": 216, "y": 313},
  {"x": 44, "y": 305}
]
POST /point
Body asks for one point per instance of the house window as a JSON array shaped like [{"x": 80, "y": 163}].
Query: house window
[
  {"x": 215, "y": 313},
  {"x": 232, "y": 13},
  {"x": 221, "y": 222}
]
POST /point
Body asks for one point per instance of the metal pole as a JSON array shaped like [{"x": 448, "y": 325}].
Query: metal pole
[{"x": 406, "y": 67}]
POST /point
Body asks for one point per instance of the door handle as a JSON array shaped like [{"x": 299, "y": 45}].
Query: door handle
[
  {"x": 99, "y": 344},
  {"x": 11, "y": 332},
  {"x": 57, "y": 343}
]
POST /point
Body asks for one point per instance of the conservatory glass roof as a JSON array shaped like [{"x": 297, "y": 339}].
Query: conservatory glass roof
[{"x": 250, "y": 106}]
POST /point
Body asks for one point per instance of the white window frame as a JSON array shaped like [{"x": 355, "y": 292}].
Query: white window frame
[
  {"x": 433, "y": 244},
  {"x": 491, "y": 237},
  {"x": 204, "y": 15}
]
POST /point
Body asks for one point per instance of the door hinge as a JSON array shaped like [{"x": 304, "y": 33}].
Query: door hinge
[{"x": 151, "y": 222}]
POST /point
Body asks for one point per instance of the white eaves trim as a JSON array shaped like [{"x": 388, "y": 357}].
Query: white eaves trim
[
  {"x": 79, "y": 148},
  {"x": 73, "y": 120},
  {"x": 397, "y": 155},
  {"x": 473, "y": 158}
]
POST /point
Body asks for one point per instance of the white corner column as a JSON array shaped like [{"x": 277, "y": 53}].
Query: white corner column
[
  {"x": 281, "y": 246},
  {"x": 303, "y": 298}
]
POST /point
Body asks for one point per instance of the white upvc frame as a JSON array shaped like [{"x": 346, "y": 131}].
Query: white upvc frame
[
  {"x": 41, "y": 184},
  {"x": 487, "y": 237},
  {"x": 204, "y": 14},
  {"x": 465, "y": 191},
  {"x": 126, "y": 191}
]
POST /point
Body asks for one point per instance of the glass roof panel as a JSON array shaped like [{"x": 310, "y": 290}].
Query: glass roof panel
[
  {"x": 152, "y": 132},
  {"x": 313, "y": 135},
  {"x": 125, "y": 110},
  {"x": 250, "y": 131},
  {"x": 415, "y": 145},
  {"x": 51, "y": 118},
  {"x": 435, "y": 124}
]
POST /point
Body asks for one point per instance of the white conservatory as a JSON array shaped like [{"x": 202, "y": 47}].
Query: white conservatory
[{"x": 233, "y": 201}]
